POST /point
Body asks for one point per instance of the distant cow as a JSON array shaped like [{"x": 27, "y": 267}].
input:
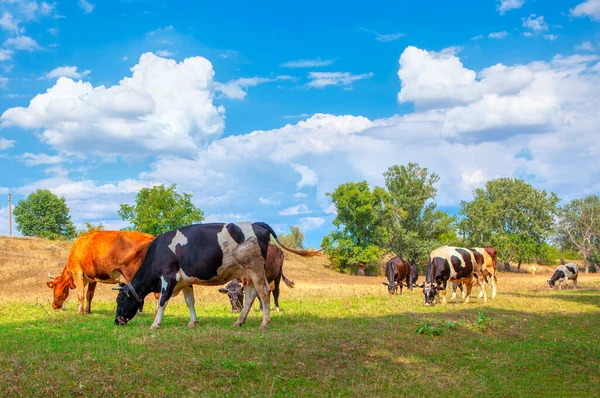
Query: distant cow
[
  {"x": 562, "y": 274},
  {"x": 203, "y": 254},
  {"x": 99, "y": 256},
  {"x": 273, "y": 272},
  {"x": 452, "y": 264},
  {"x": 398, "y": 270},
  {"x": 486, "y": 258}
]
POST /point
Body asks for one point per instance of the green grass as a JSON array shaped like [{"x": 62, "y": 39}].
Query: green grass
[{"x": 521, "y": 345}]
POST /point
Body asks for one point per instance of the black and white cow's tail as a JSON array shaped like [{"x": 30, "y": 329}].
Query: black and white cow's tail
[{"x": 301, "y": 252}]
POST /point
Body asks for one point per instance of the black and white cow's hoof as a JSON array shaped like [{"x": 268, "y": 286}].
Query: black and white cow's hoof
[
  {"x": 238, "y": 324},
  {"x": 192, "y": 324}
]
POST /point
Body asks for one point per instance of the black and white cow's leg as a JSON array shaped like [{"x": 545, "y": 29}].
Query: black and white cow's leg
[
  {"x": 575, "y": 282},
  {"x": 262, "y": 289},
  {"x": 454, "y": 286},
  {"x": 249, "y": 296},
  {"x": 167, "y": 285},
  {"x": 188, "y": 294}
]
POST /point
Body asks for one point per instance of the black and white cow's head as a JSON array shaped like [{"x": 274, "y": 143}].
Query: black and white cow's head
[
  {"x": 127, "y": 305},
  {"x": 235, "y": 292},
  {"x": 430, "y": 291}
]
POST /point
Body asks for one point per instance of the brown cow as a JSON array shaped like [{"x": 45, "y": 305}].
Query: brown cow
[
  {"x": 398, "y": 270},
  {"x": 273, "y": 272},
  {"x": 99, "y": 256}
]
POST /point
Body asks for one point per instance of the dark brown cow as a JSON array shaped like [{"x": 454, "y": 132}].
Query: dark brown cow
[
  {"x": 99, "y": 256},
  {"x": 274, "y": 274},
  {"x": 398, "y": 270}
]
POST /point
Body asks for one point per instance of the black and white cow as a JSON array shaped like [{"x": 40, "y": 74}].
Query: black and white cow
[
  {"x": 452, "y": 264},
  {"x": 562, "y": 274},
  {"x": 202, "y": 254}
]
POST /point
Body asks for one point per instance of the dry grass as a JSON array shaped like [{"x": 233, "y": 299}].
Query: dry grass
[{"x": 338, "y": 335}]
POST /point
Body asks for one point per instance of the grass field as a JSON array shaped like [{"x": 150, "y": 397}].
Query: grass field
[{"x": 337, "y": 335}]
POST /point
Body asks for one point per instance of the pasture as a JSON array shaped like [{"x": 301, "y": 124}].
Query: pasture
[{"x": 337, "y": 335}]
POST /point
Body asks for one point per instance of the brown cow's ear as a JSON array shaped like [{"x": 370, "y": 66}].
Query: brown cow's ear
[
  {"x": 50, "y": 284},
  {"x": 222, "y": 290}
]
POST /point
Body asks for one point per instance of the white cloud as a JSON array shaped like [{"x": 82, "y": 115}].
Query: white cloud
[
  {"x": 10, "y": 24},
  {"x": 478, "y": 37},
  {"x": 331, "y": 209},
  {"x": 269, "y": 201},
  {"x": 53, "y": 31},
  {"x": 536, "y": 24},
  {"x": 503, "y": 6},
  {"x": 161, "y": 30},
  {"x": 384, "y": 38},
  {"x": 165, "y": 53},
  {"x": 5, "y": 55},
  {"x": 226, "y": 218},
  {"x": 237, "y": 89},
  {"x": 124, "y": 58},
  {"x": 311, "y": 223},
  {"x": 589, "y": 8},
  {"x": 550, "y": 37},
  {"x": 307, "y": 176},
  {"x": 164, "y": 107},
  {"x": 32, "y": 159},
  {"x": 585, "y": 46},
  {"x": 299, "y": 195},
  {"x": 6, "y": 144},
  {"x": 324, "y": 79},
  {"x": 308, "y": 63},
  {"x": 527, "y": 34},
  {"x": 31, "y": 10},
  {"x": 295, "y": 210},
  {"x": 86, "y": 6},
  {"x": 3, "y": 82},
  {"x": 498, "y": 35},
  {"x": 25, "y": 43},
  {"x": 67, "y": 71}
]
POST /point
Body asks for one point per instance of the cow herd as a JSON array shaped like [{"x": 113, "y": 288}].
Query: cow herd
[{"x": 241, "y": 256}]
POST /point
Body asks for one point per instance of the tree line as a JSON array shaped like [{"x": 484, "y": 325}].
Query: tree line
[{"x": 525, "y": 224}]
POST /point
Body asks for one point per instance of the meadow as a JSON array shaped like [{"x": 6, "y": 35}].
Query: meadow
[{"x": 337, "y": 335}]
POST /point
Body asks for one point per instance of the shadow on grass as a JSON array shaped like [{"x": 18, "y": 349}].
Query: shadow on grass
[
  {"x": 581, "y": 296},
  {"x": 302, "y": 354}
]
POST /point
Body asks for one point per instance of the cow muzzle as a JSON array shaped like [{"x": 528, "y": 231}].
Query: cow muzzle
[{"x": 120, "y": 321}]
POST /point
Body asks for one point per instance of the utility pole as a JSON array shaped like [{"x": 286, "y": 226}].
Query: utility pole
[{"x": 9, "y": 215}]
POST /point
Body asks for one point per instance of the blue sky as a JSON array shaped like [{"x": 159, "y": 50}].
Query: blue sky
[{"x": 260, "y": 109}]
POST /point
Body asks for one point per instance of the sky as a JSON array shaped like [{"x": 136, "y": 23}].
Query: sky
[{"x": 259, "y": 110}]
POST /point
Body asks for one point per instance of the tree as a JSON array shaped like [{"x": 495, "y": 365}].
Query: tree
[
  {"x": 45, "y": 215},
  {"x": 160, "y": 209},
  {"x": 578, "y": 221},
  {"x": 414, "y": 225},
  {"x": 295, "y": 239},
  {"x": 89, "y": 227},
  {"x": 511, "y": 215},
  {"x": 360, "y": 234}
]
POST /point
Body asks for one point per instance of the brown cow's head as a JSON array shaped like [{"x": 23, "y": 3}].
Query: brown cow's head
[
  {"x": 235, "y": 291},
  {"x": 61, "y": 285}
]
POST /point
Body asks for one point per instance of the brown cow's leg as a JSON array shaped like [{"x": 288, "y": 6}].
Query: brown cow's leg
[
  {"x": 89, "y": 296},
  {"x": 276, "y": 283},
  {"x": 80, "y": 286}
]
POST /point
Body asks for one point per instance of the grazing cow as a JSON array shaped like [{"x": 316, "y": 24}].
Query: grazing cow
[
  {"x": 450, "y": 264},
  {"x": 202, "y": 254},
  {"x": 273, "y": 272},
  {"x": 562, "y": 274},
  {"x": 398, "y": 270},
  {"x": 99, "y": 256},
  {"x": 486, "y": 258}
]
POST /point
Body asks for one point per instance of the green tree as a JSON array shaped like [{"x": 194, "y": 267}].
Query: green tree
[
  {"x": 359, "y": 235},
  {"x": 511, "y": 215},
  {"x": 160, "y": 209},
  {"x": 45, "y": 215},
  {"x": 295, "y": 239},
  {"x": 414, "y": 225},
  {"x": 579, "y": 221},
  {"x": 89, "y": 227}
]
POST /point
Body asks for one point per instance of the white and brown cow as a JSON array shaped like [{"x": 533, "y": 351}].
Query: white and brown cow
[
  {"x": 452, "y": 264},
  {"x": 562, "y": 274},
  {"x": 485, "y": 257}
]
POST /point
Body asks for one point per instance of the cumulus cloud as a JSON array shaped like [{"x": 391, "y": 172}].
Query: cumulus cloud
[
  {"x": 295, "y": 210},
  {"x": 165, "y": 53},
  {"x": 308, "y": 176},
  {"x": 32, "y": 159},
  {"x": 324, "y": 79},
  {"x": 308, "y": 63},
  {"x": 550, "y": 37},
  {"x": 589, "y": 8},
  {"x": 536, "y": 24},
  {"x": 237, "y": 89},
  {"x": 585, "y": 46},
  {"x": 269, "y": 201},
  {"x": 24, "y": 43},
  {"x": 67, "y": 71},
  {"x": 498, "y": 35},
  {"x": 164, "y": 107},
  {"x": 6, "y": 144},
  {"x": 5, "y": 54},
  {"x": 311, "y": 223},
  {"x": 503, "y": 6},
  {"x": 10, "y": 24},
  {"x": 86, "y": 6}
]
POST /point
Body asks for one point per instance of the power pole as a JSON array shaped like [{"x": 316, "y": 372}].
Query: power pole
[{"x": 9, "y": 215}]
